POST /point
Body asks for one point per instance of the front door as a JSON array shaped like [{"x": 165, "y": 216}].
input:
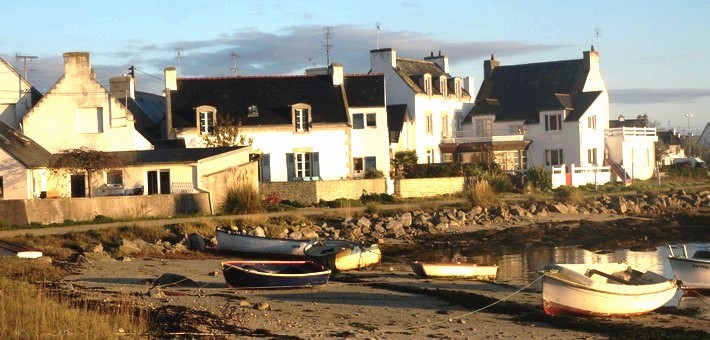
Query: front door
[{"x": 78, "y": 186}]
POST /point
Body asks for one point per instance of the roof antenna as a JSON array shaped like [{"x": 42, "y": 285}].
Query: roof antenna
[
  {"x": 378, "y": 28},
  {"x": 178, "y": 58},
  {"x": 24, "y": 59},
  {"x": 597, "y": 35},
  {"x": 234, "y": 68},
  {"x": 328, "y": 34}
]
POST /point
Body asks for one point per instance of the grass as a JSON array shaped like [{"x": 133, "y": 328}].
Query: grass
[
  {"x": 481, "y": 194},
  {"x": 31, "y": 312},
  {"x": 242, "y": 199}
]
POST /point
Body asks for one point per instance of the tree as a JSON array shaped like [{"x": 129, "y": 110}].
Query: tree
[
  {"x": 227, "y": 132},
  {"x": 404, "y": 162},
  {"x": 88, "y": 160}
]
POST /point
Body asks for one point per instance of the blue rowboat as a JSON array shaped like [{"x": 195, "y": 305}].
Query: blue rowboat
[{"x": 274, "y": 274}]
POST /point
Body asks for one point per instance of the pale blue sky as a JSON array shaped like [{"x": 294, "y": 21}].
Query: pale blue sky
[{"x": 653, "y": 53}]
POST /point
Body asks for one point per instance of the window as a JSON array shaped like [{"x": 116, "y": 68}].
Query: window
[
  {"x": 553, "y": 122},
  {"x": 158, "y": 182},
  {"x": 2, "y": 192},
  {"x": 442, "y": 87},
  {"x": 358, "y": 121},
  {"x": 484, "y": 127},
  {"x": 515, "y": 129},
  {"x": 445, "y": 125},
  {"x": 427, "y": 84},
  {"x": 302, "y": 166},
  {"x": 371, "y": 120},
  {"x": 206, "y": 122},
  {"x": 429, "y": 123},
  {"x": 459, "y": 121},
  {"x": 301, "y": 119},
  {"x": 553, "y": 157},
  {"x": 253, "y": 111},
  {"x": 458, "y": 88},
  {"x": 430, "y": 156},
  {"x": 592, "y": 122},
  {"x": 89, "y": 120},
  {"x": 592, "y": 156},
  {"x": 114, "y": 177},
  {"x": 358, "y": 164}
]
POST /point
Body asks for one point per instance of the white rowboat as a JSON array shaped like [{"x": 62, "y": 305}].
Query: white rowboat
[
  {"x": 241, "y": 243},
  {"x": 693, "y": 273},
  {"x": 603, "y": 289},
  {"x": 344, "y": 255},
  {"x": 455, "y": 270}
]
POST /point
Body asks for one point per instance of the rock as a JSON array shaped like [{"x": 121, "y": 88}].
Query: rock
[
  {"x": 559, "y": 208},
  {"x": 156, "y": 292},
  {"x": 258, "y": 232},
  {"x": 364, "y": 222},
  {"x": 295, "y": 235},
  {"x": 406, "y": 219},
  {"x": 244, "y": 303},
  {"x": 195, "y": 241},
  {"x": 99, "y": 248},
  {"x": 148, "y": 248},
  {"x": 309, "y": 234},
  {"x": 263, "y": 305},
  {"x": 127, "y": 248}
]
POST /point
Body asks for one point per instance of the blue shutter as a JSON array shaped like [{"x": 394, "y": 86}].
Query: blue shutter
[
  {"x": 266, "y": 167},
  {"x": 358, "y": 121},
  {"x": 370, "y": 162},
  {"x": 290, "y": 167},
  {"x": 316, "y": 166}
]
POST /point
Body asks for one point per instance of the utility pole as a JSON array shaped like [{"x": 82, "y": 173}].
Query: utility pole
[
  {"x": 328, "y": 46},
  {"x": 21, "y": 91},
  {"x": 688, "y": 115}
]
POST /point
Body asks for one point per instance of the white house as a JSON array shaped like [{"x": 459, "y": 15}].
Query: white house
[
  {"x": 23, "y": 165},
  {"x": 17, "y": 95},
  {"x": 631, "y": 143},
  {"x": 318, "y": 126},
  {"x": 435, "y": 102},
  {"x": 561, "y": 108}
]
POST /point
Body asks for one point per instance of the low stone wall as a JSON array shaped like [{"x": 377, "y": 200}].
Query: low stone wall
[
  {"x": 312, "y": 192},
  {"x": 428, "y": 187},
  {"x": 58, "y": 210}
]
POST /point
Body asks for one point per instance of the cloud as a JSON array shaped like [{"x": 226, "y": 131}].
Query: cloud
[{"x": 649, "y": 96}]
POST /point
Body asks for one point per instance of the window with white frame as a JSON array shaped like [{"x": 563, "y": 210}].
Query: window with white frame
[
  {"x": 592, "y": 156},
  {"x": 445, "y": 125},
  {"x": 553, "y": 157},
  {"x": 301, "y": 118},
  {"x": 206, "y": 122},
  {"x": 427, "y": 84},
  {"x": 483, "y": 127},
  {"x": 371, "y": 120},
  {"x": 114, "y": 177},
  {"x": 443, "y": 87},
  {"x": 553, "y": 122},
  {"x": 458, "y": 88},
  {"x": 304, "y": 163},
  {"x": 430, "y": 155},
  {"x": 362, "y": 164},
  {"x": 89, "y": 120},
  {"x": 302, "y": 166},
  {"x": 592, "y": 122},
  {"x": 429, "y": 123}
]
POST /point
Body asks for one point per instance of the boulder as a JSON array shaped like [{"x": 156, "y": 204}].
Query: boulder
[{"x": 195, "y": 241}]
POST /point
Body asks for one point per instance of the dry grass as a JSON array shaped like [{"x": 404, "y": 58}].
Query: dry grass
[
  {"x": 481, "y": 194},
  {"x": 30, "y": 312}
]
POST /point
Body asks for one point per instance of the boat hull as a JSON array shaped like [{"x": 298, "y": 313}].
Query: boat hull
[
  {"x": 344, "y": 256},
  {"x": 693, "y": 274},
  {"x": 274, "y": 274},
  {"x": 239, "y": 243},
  {"x": 455, "y": 270},
  {"x": 566, "y": 291}
]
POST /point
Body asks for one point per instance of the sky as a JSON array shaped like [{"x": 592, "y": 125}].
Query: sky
[{"x": 654, "y": 54}]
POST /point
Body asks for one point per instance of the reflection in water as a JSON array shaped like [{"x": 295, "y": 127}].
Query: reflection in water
[{"x": 521, "y": 269}]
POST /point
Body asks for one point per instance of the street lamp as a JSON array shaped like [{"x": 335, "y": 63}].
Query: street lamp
[{"x": 688, "y": 115}]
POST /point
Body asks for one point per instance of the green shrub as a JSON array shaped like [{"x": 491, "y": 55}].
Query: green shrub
[
  {"x": 374, "y": 173},
  {"x": 377, "y": 198},
  {"x": 568, "y": 194},
  {"x": 687, "y": 169},
  {"x": 539, "y": 177},
  {"x": 371, "y": 208},
  {"x": 501, "y": 183},
  {"x": 242, "y": 199}
]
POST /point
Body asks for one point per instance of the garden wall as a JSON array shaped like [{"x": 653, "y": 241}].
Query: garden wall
[
  {"x": 428, "y": 187},
  {"x": 312, "y": 192}
]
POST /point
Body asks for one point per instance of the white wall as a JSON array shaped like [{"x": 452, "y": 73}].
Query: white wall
[
  {"x": 371, "y": 141},
  {"x": 15, "y": 98},
  {"x": 53, "y": 122},
  {"x": 14, "y": 177}
]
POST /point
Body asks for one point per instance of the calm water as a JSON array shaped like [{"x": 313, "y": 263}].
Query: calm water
[{"x": 521, "y": 269}]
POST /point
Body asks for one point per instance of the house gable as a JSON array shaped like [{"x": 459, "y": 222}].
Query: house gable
[{"x": 17, "y": 95}]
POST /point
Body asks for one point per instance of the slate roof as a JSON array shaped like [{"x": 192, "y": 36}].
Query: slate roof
[
  {"x": 412, "y": 72},
  {"x": 640, "y": 122},
  {"x": 395, "y": 120},
  {"x": 273, "y": 96},
  {"x": 669, "y": 137},
  {"x": 163, "y": 156},
  {"x": 365, "y": 90},
  {"x": 520, "y": 92},
  {"x": 22, "y": 148},
  {"x": 149, "y": 112}
]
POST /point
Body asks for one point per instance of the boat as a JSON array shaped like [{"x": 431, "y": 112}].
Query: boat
[
  {"x": 455, "y": 270},
  {"x": 8, "y": 248},
  {"x": 274, "y": 274},
  {"x": 694, "y": 272},
  {"x": 603, "y": 289},
  {"x": 228, "y": 241},
  {"x": 343, "y": 255}
]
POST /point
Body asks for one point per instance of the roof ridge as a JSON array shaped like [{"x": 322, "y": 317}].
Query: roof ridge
[
  {"x": 542, "y": 62},
  {"x": 254, "y": 77},
  {"x": 416, "y": 60}
]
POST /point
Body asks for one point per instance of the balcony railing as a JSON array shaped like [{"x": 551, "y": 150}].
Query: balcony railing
[
  {"x": 631, "y": 131},
  {"x": 489, "y": 135}
]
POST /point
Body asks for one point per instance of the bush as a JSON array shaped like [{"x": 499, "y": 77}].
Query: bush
[
  {"x": 539, "y": 177},
  {"x": 242, "y": 199},
  {"x": 568, "y": 194},
  {"x": 480, "y": 193},
  {"x": 374, "y": 173},
  {"x": 501, "y": 183},
  {"x": 687, "y": 169},
  {"x": 377, "y": 198}
]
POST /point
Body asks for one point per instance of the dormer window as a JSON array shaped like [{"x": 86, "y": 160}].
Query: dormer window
[
  {"x": 206, "y": 116},
  {"x": 301, "y": 117},
  {"x": 427, "y": 84},
  {"x": 443, "y": 86},
  {"x": 252, "y": 111},
  {"x": 458, "y": 88}
]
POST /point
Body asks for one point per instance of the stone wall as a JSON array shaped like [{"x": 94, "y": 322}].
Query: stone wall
[
  {"x": 45, "y": 211},
  {"x": 428, "y": 187},
  {"x": 312, "y": 192}
]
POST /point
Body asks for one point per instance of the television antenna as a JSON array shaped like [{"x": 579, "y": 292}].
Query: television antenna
[
  {"x": 328, "y": 35},
  {"x": 597, "y": 35},
  {"x": 24, "y": 59},
  {"x": 178, "y": 59},
  {"x": 378, "y": 28},
  {"x": 235, "y": 68}
]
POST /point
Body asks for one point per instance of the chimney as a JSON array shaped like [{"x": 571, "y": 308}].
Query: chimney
[
  {"x": 383, "y": 59},
  {"x": 591, "y": 57},
  {"x": 489, "y": 66},
  {"x": 336, "y": 71},
  {"x": 469, "y": 85},
  {"x": 77, "y": 64},
  {"x": 122, "y": 87},
  {"x": 441, "y": 60},
  {"x": 621, "y": 118},
  {"x": 170, "y": 85}
]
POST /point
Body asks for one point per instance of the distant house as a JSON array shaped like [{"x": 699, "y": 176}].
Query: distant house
[
  {"x": 672, "y": 146},
  {"x": 631, "y": 143},
  {"x": 23, "y": 165},
  {"x": 551, "y": 114},
  {"x": 320, "y": 126},
  {"x": 426, "y": 103},
  {"x": 705, "y": 136},
  {"x": 17, "y": 95}
]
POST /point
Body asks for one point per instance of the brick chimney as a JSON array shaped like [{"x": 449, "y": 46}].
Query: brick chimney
[
  {"x": 489, "y": 66},
  {"x": 441, "y": 60}
]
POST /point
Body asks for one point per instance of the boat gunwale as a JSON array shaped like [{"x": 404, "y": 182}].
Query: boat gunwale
[
  {"x": 663, "y": 286},
  {"x": 227, "y": 266}
]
